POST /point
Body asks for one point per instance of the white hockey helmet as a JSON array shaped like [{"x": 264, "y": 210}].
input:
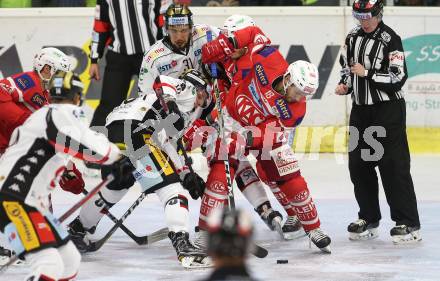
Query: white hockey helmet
[
  {"x": 236, "y": 22},
  {"x": 57, "y": 60},
  {"x": 304, "y": 75}
]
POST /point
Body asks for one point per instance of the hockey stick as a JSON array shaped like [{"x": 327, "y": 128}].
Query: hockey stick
[
  {"x": 144, "y": 240},
  {"x": 140, "y": 240},
  {"x": 67, "y": 214},
  {"x": 218, "y": 104},
  {"x": 256, "y": 250}
]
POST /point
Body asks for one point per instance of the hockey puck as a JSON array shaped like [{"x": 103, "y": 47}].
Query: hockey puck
[{"x": 282, "y": 261}]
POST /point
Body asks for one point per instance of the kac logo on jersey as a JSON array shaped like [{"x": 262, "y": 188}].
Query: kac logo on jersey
[
  {"x": 167, "y": 67},
  {"x": 283, "y": 109},
  {"x": 261, "y": 75},
  {"x": 248, "y": 112}
]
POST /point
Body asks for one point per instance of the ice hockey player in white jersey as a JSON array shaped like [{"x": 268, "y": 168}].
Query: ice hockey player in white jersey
[
  {"x": 143, "y": 129},
  {"x": 29, "y": 168},
  {"x": 178, "y": 51}
]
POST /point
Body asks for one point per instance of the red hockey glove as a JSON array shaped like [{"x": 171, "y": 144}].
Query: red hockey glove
[
  {"x": 195, "y": 135},
  {"x": 217, "y": 50},
  {"x": 72, "y": 181}
]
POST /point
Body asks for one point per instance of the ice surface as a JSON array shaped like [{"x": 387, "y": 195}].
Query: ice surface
[{"x": 328, "y": 180}]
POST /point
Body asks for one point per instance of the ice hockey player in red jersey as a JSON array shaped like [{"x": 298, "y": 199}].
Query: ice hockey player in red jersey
[
  {"x": 269, "y": 103},
  {"x": 237, "y": 66},
  {"x": 23, "y": 93},
  {"x": 29, "y": 168},
  {"x": 245, "y": 176}
]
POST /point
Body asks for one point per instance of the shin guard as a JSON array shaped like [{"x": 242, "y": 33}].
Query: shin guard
[
  {"x": 297, "y": 192},
  {"x": 216, "y": 192}
]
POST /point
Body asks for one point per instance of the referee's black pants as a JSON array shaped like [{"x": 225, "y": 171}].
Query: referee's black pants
[
  {"x": 393, "y": 161},
  {"x": 117, "y": 76}
]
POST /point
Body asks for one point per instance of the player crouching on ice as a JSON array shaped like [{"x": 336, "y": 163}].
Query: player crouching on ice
[
  {"x": 265, "y": 107},
  {"x": 29, "y": 168},
  {"x": 144, "y": 129}
]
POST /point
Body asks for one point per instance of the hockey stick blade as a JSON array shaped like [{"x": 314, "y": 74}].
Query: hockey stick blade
[
  {"x": 146, "y": 240},
  {"x": 155, "y": 236},
  {"x": 259, "y": 251}
]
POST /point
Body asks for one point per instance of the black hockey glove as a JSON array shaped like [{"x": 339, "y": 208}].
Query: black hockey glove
[
  {"x": 122, "y": 172},
  {"x": 194, "y": 184}
]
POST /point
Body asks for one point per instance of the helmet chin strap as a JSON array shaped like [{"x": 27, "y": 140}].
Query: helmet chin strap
[
  {"x": 45, "y": 82},
  {"x": 285, "y": 86}
]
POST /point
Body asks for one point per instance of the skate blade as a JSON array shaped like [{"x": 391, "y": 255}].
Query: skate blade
[
  {"x": 5, "y": 260},
  {"x": 366, "y": 235},
  {"x": 326, "y": 250},
  {"x": 194, "y": 262},
  {"x": 294, "y": 235}
]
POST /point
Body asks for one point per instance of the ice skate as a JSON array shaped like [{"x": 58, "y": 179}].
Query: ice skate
[
  {"x": 320, "y": 239},
  {"x": 6, "y": 254},
  {"x": 403, "y": 234},
  {"x": 292, "y": 228},
  {"x": 79, "y": 235},
  {"x": 188, "y": 255},
  {"x": 362, "y": 230},
  {"x": 201, "y": 239}
]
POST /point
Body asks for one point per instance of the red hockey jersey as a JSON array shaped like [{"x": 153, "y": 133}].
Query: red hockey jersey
[
  {"x": 255, "y": 101},
  {"x": 20, "y": 95}
]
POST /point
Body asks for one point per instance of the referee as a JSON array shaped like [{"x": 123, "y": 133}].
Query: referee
[
  {"x": 128, "y": 28},
  {"x": 374, "y": 72}
]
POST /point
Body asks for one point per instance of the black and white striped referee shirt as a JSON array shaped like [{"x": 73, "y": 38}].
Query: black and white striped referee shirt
[
  {"x": 127, "y": 26},
  {"x": 381, "y": 53}
]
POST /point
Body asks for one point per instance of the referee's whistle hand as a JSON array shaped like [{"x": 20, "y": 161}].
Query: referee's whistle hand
[
  {"x": 341, "y": 89},
  {"x": 358, "y": 69},
  {"x": 94, "y": 71}
]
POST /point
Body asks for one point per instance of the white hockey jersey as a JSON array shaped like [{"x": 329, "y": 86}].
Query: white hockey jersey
[
  {"x": 38, "y": 150},
  {"x": 161, "y": 59},
  {"x": 147, "y": 107}
]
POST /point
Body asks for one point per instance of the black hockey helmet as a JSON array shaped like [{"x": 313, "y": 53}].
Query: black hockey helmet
[
  {"x": 195, "y": 77},
  {"x": 178, "y": 14},
  {"x": 65, "y": 85},
  {"x": 230, "y": 233},
  {"x": 198, "y": 80},
  {"x": 366, "y": 9}
]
